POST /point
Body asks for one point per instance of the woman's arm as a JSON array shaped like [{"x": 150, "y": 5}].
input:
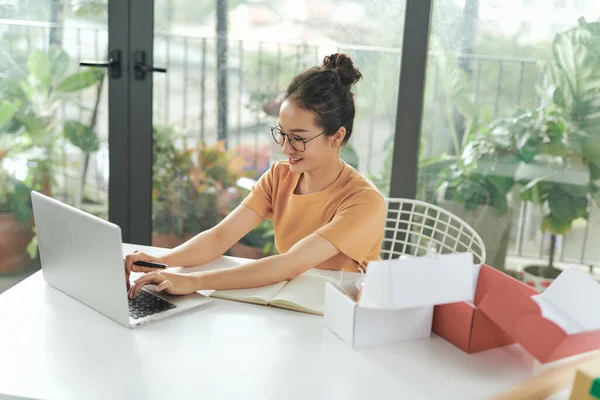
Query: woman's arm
[
  {"x": 210, "y": 244},
  {"x": 304, "y": 255},
  {"x": 307, "y": 253}
]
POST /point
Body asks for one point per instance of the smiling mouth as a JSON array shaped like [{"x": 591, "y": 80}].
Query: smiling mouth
[{"x": 294, "y": 160}]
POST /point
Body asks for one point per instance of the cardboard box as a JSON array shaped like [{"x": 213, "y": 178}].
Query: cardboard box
[
  {"x": 561, "y": 322},
  {"x": 465, "y": 325},
  {"x": 398, "y": 298},
  {"x": 586, "y": 385},
  {"x": 361, "y": 326}
]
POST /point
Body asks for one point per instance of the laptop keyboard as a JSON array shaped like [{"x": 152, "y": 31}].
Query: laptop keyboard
[{"x": 145, "y": 304}]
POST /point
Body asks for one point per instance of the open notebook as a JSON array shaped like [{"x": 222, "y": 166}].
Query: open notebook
[{"x": 304, "y": 293}]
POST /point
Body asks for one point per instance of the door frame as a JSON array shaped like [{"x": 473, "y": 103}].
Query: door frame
[{"x": 131, "y": 29}]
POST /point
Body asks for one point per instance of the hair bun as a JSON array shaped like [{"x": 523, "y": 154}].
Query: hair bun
[{"x": 342, "y": 64}]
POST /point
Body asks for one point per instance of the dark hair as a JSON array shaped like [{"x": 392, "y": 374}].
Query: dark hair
[{"x": 325, "y": 91}]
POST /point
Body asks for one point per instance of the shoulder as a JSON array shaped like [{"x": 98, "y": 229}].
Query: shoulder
[
  {"x": 360, "y": 190},
  {"x": 361, "y": 186}
]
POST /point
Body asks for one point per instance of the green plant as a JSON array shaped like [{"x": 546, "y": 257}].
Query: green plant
[
  {"x": 546, "y": 138},
  {"x": 349, "y": 155},
  {"x": 483, "y": 174},
  {"x": 14, "y": 194},
  {"x": 463, "y": 176},
  {"x": 568, "y": 131},
  {"x": 30, "y": 103},
  {"x": 194, "y": 187},
  {"x": 561, "y": 136},
  {"x": 262, "y": 237},
  {"x": 31, "y": 131}
]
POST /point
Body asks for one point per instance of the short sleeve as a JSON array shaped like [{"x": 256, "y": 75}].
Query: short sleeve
[
  {"x": 358, "y": 225},
  {"x": 260, "y": 199}
]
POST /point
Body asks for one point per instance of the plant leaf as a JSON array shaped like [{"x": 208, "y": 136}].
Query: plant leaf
[
  {"x": 528, "y": 147},
  {"x": 58, "y": 61},
  {"x": 499, "y": 202},
  {"x": 36, "y": 127},
  {"x": 573, "y": 190},
  {"x": 555, "y": 225},
  {"x": 39, "y": 67},
  {"x": 574, "y": 73},
  {"x": 20, "y": 202},
  {"x": 81, "y": 136},
  {"x": 591, "y": 151},
  {"x": 564, "y": 207},
  {"x": 80, "y": 80},
  {"x": 8, "y": 110}
]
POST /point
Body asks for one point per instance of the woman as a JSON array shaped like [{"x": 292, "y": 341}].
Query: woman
[{"x": 325, "y": 214}]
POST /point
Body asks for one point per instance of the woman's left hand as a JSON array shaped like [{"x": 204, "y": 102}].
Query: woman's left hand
[{"x": 169, "y": 282}]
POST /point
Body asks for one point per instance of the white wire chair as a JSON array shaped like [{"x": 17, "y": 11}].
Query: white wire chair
[{"x": 417, "y": 228}]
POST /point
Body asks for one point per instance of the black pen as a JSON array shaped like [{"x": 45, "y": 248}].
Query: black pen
[{"x": 149, "y": 264}]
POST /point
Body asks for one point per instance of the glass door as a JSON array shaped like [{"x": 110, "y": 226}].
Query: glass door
[
  {"x": 229, "y": 63},
  {"x": 53, "y": 116},
  {"x": 500, "y": 147}
]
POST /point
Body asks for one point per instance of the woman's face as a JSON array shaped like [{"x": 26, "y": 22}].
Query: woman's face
[{"x": 300, "y": 125}]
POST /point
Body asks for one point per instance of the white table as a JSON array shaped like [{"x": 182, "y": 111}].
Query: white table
[{"x": 54, "y": 347}]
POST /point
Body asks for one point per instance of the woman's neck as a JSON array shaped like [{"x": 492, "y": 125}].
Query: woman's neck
[{"x": 319, "y": 179}]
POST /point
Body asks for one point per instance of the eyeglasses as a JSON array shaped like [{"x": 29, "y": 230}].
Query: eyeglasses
[{"x": 297, "y": 143}]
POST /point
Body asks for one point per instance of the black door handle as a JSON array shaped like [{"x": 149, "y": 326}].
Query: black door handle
[
  {"x": 141, "y": 68},
  {"x": 149, "y": 68},
  {"x": 113, "y": 63}
]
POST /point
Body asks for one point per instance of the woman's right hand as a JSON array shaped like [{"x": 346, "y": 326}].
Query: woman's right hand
[{"x": 139, "y": 256}]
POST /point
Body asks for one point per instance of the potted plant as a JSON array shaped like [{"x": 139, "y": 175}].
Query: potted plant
[
  {"x": 476, "y": 178},
  {"x": 562, "y": 140},
  {"x": 32, "y": 132},
  {"x": 554, "y": 175},
  {"x": 16, "y": 228},
  {"x": 15, "y": 222},
  {"x": 39, "y": 93},
  {"x": 194, "y": 188}
]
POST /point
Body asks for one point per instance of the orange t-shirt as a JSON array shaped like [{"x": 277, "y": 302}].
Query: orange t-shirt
[{"x": 349, "y": 213}]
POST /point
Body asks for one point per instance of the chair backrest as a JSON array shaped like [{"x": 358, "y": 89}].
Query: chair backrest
[{"x": 418, "y": 228}]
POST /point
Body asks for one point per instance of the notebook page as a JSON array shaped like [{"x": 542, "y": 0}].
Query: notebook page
[
  {"x": 307, "y": 290},
  {"x": 259, "y": 295}
]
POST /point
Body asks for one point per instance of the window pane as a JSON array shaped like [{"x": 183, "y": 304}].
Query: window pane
[
  {"x": 500, "y": 120},
  {"x": 268, "y": 43},
  {"x": 53, "y": 118}
]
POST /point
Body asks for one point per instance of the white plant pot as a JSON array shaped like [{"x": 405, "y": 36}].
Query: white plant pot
[{"x": 532, "y": 275}]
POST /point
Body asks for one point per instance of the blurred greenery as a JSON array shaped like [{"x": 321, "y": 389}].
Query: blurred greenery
[
  {"x": 561, "y": 135},
  {"x": 465, "y": 141},
  {"x": 30, "y": 127},
  {"x": 193, "y": 187},
  {"x": 262, "y": 237}
]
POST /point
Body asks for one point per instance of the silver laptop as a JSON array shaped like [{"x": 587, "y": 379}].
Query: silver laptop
[{"x": 82, "y": 256}]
